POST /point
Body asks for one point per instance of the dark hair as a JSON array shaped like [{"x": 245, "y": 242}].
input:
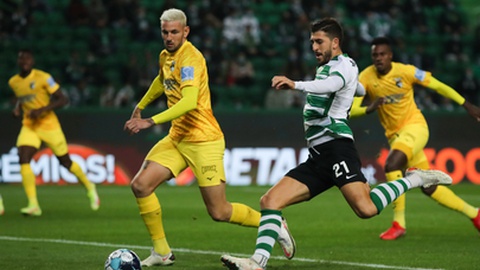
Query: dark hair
[
  {"x": 25, "y": 50},
  {"x": 330, "y": 26},
  {"x": 381, "y": 41}
]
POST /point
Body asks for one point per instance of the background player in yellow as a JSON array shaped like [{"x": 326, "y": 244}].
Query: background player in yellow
[
  {"x": 195, "y": 140},
  {"x": 38, "y": 95},
  {"x": 2, "y": 209},
  {"x": 389, "y": 86}
]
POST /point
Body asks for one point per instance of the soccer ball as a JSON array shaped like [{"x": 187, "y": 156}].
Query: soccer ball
[{"x": 123, "y": 259}]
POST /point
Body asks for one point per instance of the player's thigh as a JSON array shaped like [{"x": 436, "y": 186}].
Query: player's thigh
[
  {"x": 411, "y": 140},
  {"x": 167, "y": 154},
  {"x": 214, "y": 196},
  {"x": 357, "y": 194},
  {"x": 206, "y": 161},
  {"x": 55, "y": 140},
  {"x": 287, "y": 191},
  {"x": 28, "y": 137}
]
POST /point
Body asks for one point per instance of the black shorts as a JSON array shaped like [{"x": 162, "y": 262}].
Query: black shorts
[{"x": 334, "y": 163}]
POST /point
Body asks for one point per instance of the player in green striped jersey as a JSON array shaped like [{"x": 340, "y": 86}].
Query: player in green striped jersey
[{"x": 333, "y": 159}]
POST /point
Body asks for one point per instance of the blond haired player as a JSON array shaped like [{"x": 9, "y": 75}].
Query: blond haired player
[
  {"x": 389, "y": 86},
  {"x": 195, "y": 140},
  {"x": 38, "y": 95}
]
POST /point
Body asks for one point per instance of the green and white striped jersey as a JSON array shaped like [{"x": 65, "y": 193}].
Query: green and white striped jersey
[{"x": 329, "y": 99}]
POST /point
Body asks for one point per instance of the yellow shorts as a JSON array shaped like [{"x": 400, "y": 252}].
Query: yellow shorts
[
  {"x": 411, "y": 140},
  {"x": 53, "y": 138},
  {"x": 204, "y": 158}
]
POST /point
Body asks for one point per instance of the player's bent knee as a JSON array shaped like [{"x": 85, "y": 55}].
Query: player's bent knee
[
  {"x": 140, "y": 189},
  {"x": 269, "y": 202}
]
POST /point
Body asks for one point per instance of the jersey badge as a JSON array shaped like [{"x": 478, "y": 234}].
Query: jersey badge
[
  {"x": 169, "y": 84},
  {"x": 394, "y": 98},
  {"x": 51, "y": 82},
  {"x": 172, "y": 66},
  {"x": 420, "y": 74},
  {"x": 32, "y": 85},
  {"x": 186, "y": 73},
  {"x": 398, "y": 82}
]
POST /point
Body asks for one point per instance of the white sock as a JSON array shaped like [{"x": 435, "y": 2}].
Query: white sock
[
  {"x": 260, "y": 259},
  {"x": 415, "y": 180}
]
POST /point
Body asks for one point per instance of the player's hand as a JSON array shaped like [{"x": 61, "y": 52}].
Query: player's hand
[
  {"x": 35, "y": 114},
  {"x": 17, "y": 113},
  {"x": 282, "y": 82},
  {"x": 473, "y": 110},
  {"x": 134, "y": 125},
  {"x": 376, "y": 104}
]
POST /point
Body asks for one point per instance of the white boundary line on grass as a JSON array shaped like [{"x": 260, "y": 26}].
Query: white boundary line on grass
[{"x": 208, "y": 252}]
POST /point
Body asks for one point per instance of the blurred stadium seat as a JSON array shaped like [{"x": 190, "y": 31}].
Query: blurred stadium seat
[{"x": 50, "y": 34}]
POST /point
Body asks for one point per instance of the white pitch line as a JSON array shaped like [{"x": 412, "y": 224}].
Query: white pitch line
[{"x": 207, "y": 252}]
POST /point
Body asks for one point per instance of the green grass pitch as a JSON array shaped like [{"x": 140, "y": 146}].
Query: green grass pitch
[{"x": 328, "y": 234}]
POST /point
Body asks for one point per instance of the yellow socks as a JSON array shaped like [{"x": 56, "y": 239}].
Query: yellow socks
[
  {"x": 151, "y": 213},
  {"x": 77, "y": 171},
  {"x": 29, "y": 185},
  {"x": 244, "y": 215},
  {"x": 447, "y": 198},
  {"x": 399, "y": 203}
]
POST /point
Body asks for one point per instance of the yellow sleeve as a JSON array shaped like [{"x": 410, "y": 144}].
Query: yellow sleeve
[
  {"x": 357, "y": 109},
  {"x": 445, "y": 91},
  {"x": 154, "y": 91},
  {"x": 187, "y": 103}
]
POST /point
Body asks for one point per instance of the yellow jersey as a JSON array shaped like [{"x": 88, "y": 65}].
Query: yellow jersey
[
  {"x": 397, "y": 87},
  {"x": 33, "y": 92},
  {"x": 183, "y": 68}
]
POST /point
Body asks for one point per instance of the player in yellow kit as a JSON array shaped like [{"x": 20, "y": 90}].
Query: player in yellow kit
[
  {"x": 38, "y": 95},
  {"x": 2, "y": 209},
  {"x": 195, "y": 140},
  {"x": 389, "y": 86}
]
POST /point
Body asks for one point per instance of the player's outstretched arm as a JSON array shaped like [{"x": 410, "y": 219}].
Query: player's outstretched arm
[
  {"x": 473, "y": 110},
  {"x": 450, "y": 93}
]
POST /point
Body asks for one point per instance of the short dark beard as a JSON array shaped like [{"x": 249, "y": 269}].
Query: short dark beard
[{"x": 327, "y": 56}]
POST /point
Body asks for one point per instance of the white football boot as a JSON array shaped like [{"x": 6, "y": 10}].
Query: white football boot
[
  {"x": 286, "y": 241},
  {"x": 157, "y": 259},
  {"x": 234, "y": 263},
  {"x": 429, "y": 177}
]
